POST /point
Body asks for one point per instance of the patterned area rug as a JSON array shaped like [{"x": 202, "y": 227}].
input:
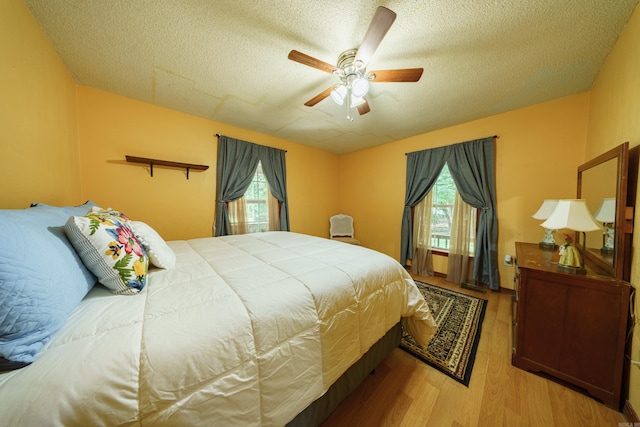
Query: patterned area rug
[{"x": 459, "y": 317}]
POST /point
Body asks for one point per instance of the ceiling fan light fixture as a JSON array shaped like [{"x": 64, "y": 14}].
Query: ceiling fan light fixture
[
  {"x": 351, "y": 68},
  {"x": 338, "y": 94},
  {"x": 360, "y": 87}
]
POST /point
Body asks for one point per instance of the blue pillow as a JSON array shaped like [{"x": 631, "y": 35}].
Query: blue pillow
[
  {"x": 42, "y": 278},
  {"x": 69, "y": 210}
]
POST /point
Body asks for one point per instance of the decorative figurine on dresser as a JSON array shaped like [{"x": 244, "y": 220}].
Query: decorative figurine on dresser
[{"x": 570, "y": 321}]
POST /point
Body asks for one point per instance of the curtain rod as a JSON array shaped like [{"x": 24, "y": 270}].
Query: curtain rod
[
  {"x": 218, "y": 135},
  {"x": 494, "y": 136}
]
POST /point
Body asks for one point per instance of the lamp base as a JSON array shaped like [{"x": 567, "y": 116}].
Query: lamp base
[
  {"x": 571, "y": 269},
  {"x": 547, "y": 245}
]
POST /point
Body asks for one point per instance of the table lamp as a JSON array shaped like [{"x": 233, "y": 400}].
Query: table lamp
[
  {"x": 548, "y": 241},
  {"x": 572, "y": 214},
  {"x": 606, "y": 214}
]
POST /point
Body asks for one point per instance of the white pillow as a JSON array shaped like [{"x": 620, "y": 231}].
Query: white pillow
[
  {"x": 110, "y": 249},
  {"x": 160, "y": 254}
]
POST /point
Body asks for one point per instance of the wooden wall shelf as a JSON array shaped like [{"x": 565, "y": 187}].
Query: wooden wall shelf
[{"x": 152, "y": 162}]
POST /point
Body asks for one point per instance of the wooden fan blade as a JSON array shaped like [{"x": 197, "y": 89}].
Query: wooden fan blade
[
  {"x": 364, "y": 108},
  {"x": 404, "y": 75},
  {"x": 319, "y": 97},
  {"x": 305, "y": 59},
  {"x": 378, "y": 28}
]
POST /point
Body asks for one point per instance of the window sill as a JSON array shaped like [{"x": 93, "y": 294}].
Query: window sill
[{"x": 441, "y": 252}]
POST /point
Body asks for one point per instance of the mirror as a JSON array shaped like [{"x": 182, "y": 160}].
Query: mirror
[{"x": 602, "y": 182}]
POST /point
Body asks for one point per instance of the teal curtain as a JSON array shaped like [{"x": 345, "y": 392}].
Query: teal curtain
[
  {"x": 423, "y": 169},
  {"x": 275, "y": 171},
  {"x": 472, "y": 166},
  {"x": 237, "y": 163}
]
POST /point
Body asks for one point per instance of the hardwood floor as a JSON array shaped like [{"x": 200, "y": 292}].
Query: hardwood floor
[{"x": 406, "y": 392}]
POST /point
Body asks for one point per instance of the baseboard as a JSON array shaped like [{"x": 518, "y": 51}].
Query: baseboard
[{"x": 630, "y": 413}]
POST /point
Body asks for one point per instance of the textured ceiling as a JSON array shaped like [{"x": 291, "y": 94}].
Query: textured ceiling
[{"x": 226, "y": 60}]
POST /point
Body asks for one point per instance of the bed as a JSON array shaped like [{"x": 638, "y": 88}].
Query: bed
[{"x": 264, "y": 329}]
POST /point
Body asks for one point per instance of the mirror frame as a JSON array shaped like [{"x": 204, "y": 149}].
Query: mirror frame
[{"x": 620, "y": 269}]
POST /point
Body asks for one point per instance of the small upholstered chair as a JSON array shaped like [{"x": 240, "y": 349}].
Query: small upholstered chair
[{"x": 341, "y": 228}]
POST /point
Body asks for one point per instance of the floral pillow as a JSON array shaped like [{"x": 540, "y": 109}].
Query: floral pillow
[{"x": 109, "y": 248}]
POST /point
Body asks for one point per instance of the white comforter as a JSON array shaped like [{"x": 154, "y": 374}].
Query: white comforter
[{"x": 245, "y": 330}]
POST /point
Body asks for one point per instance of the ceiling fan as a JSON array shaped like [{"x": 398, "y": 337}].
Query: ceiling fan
[{"x": 352, "y": 68}]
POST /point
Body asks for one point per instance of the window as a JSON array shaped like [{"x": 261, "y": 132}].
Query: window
[
  {"x": 444, "y": 203},
  {"x": 442, "y": 200},
  {"x": 475, "y": 162},
  {"x": 231, "y": 213},
  {"x": 257, "y": 210},
  {"x": 256, "y": 199}
]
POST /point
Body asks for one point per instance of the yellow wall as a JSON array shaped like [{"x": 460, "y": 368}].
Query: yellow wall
[
  {"x": 113, "y": 126},
  {"x": 39, "y": 160},
  {"x": 538, "y": 151},
  {"x": 614, "y": 117}
]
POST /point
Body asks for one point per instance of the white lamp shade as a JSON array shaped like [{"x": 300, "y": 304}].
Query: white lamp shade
[
  {"x": 360, "y": 87},
  {"x": 545, "y": 210},
  {"x": 572, "y": 214},
  {"x": 338, "y": 94},
  {"x": 606, "y": 213}
]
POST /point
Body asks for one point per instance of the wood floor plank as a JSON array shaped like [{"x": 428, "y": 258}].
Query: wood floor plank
[{"x": 409, "y": 393}]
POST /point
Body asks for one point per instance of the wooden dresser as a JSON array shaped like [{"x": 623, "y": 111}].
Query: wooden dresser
[{"x": 569, "y": 326}]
